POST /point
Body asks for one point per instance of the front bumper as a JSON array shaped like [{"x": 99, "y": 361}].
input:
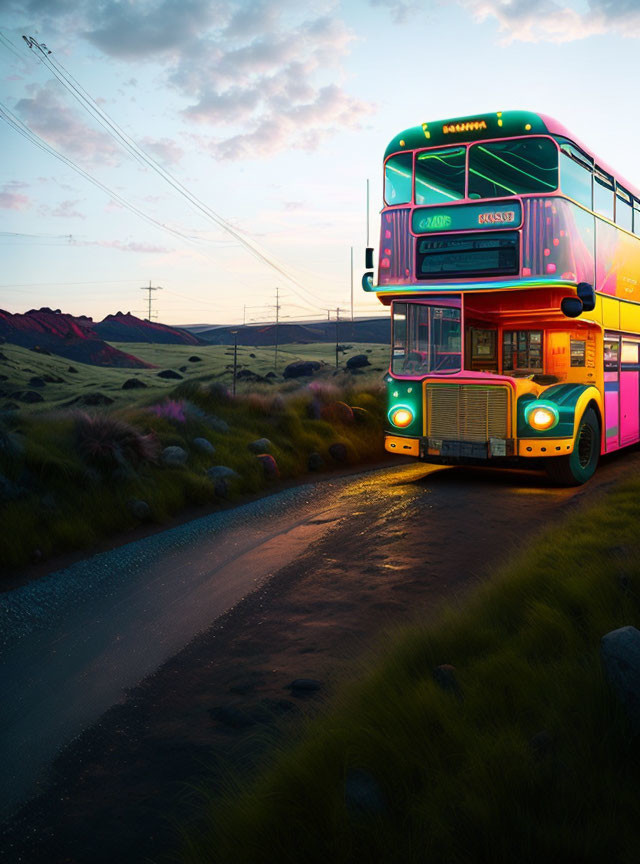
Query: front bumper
[{"x": 438, "y": 450}]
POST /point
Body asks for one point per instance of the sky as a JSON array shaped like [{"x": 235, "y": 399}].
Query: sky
[{"x": 272, "y": 115}]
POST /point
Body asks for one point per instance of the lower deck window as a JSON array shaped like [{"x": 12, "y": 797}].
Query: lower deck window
[{"x": 522, "y": 350}]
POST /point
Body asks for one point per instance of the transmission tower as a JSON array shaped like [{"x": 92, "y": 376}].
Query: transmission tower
[{"x": 150, "y": 288}]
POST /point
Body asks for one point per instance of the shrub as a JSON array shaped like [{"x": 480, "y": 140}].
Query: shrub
[{"x": 107, "y": 442}]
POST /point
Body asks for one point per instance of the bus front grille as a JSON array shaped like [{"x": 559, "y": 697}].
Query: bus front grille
[{"x": 467, "y": 412}]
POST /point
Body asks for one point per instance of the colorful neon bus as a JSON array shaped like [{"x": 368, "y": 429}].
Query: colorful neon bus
[{"x": 510, "y": 258}]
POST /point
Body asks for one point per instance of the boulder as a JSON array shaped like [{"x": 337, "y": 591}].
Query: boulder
[
  {"x": 133, "y": 384},
  {"x": 338, "y": 451},
  {"x": 620, "y": 654},
  {"x": 269, "y": 466},
  {"x": 218, "y": 424},
  {"x": 337, "y": 412},
  {"x": 222, "y": 472},
  {"x": 140, "y": 509},
  {"x": 301, "y": 368},
  {"x": 260, "y": 445},
  {"x": 195, "y": 359},
  {"x": 170, "y": 373},
  {"x": 52, "y": 379},
  {"x": 315, "y": 462},
  {"x": 173, "y": 457},
  {"x": 28, "y": 396},
  {"x": 37, "y": 381},
  {"x": 73, "y": 370},
  {"x": 360, "y": 415},
  {"x": 204, "y": 446},
  {"x": 358, "y": 361}
]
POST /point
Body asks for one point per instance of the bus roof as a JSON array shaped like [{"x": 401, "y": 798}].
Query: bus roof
[{"x": 500, "y": 124}]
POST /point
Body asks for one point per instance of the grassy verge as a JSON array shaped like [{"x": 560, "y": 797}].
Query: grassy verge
[
  {"x": 527, "y": 758},
  {"x": 71, "y": 476}
]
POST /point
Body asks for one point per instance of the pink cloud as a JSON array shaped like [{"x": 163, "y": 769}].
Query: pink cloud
[{"x": 11, "y": 199}]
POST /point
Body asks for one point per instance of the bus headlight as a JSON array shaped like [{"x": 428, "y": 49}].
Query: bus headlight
[
  {"x": 541, "y": 416},
  {"x": 401, "y": 416}
]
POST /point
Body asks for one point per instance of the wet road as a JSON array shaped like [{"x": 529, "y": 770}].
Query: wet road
[{"x": 74, "y": 641}]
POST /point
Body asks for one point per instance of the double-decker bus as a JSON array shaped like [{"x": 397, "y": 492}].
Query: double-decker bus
[{"x": 510, "y": 257}]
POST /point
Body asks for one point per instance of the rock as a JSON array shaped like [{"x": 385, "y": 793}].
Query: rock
[
  {"x": 36, "y": 381},
  {"x": 362, "y": 794},
  {"x": 271, "y": 375},
  {"x": 445, "y": 677},
  {"x": 229, "y": 715},
  {"x": 204, "y": 446},
  {"x": 218, "y": 424},
  {"x": 73, "y": 370},
  {"x": 360, "y": 415},
  {"x": 133, "y": 384},
  {"x": 92, "y": 399},
  {"x": 183, "y": 368},
  {"x": 304, "y": 686},
  {"x": 301, "y": 368},
  {"x": 173, "y": 457},
  {"x": 221, "y": 488},
  {"x": 620, "y": 654},
  {"x": 29, "y": 396},
  {"x": 253, "y": 356},
  {"x": 337, "y": 412},
  {"x": 315, "y": 462},
  {"x": 195, "y": 359},
  {"x": 358, "y": 361},
  {"x": 338, "y": 452},
  {"x": 52, "y": 379},
  {"x": 170, "y": 373},
  {"x": 222, "y": 472},
  {"x": 260, "y": 445},
  {"x": 140, "y": 509},
  {"x": 269, "y": 466}
]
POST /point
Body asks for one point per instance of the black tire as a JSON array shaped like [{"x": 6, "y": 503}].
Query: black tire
[{"x": 580, "y": 466}]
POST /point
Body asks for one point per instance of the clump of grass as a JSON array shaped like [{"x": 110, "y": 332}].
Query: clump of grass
[
  {"x": 106, "y": 441},
  {"x": 535, "y": 762}
]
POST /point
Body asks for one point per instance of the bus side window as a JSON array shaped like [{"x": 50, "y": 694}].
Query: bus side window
[
  {"x": 611, "y": 355},
  {"x": 603, "y": 194},
  {"x": 636, "y": 217},
  {"x": 575, "y": 175},
  {"x": 578, "y": 352},
  {"x": 398, "y": 173},
  {"x": 624, "y": 211}
]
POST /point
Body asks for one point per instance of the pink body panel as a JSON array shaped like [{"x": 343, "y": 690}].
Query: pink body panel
[{"x": 611, "y": 411}]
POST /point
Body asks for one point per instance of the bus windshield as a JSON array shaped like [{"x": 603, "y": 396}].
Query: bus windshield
[
  {"x": 426, "y": 338},
  {"x": 523, "y": 166}
]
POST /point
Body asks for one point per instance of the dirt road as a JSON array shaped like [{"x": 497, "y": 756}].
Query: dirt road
[{"x": 323, "y": 570}]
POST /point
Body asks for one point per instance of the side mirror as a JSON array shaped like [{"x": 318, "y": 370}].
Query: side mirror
[
  {"x": 368, "y": 258},
  {"x": 571, "y": 306},
  {"x": 587, "y": 295}
]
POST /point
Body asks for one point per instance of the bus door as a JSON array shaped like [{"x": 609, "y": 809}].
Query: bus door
[
  {"x": 629, "y": 392},
  {"x": 611, "y": 392}
]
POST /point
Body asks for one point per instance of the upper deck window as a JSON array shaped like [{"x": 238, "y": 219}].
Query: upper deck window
[
  {"x": 440, "y": 175},
  {"x": 624, "y": 210},
  {"x": 576, "y": 175},
  {"x": 636, "y": 217},
  {"x": 398, "y": 172},
  {"x": 603, "y": 194},
  {"x": 519, "y": 167}
]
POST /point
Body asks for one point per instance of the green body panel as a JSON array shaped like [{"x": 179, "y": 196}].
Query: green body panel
[
  {"x": 432, "y": 134},
  {"x": 565, "y": 398},
  {"x": 409, "y": 396}
]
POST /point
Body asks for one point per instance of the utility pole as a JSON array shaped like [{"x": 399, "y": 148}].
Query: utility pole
[
  {"x": 149, "y": 289},
  {"x": 352, "y": 284},
  {"x": 275, "y": 359},
  {"x": 337, "y": 323}
]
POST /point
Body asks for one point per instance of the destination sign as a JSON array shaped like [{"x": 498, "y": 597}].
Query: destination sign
[{"x": 466, "y": 217}]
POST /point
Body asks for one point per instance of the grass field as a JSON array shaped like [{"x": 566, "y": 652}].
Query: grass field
[
  {"x": 74, "y": 464},
  {"x": 521, "y": 754},
  {"x": 21, "y": 365}
]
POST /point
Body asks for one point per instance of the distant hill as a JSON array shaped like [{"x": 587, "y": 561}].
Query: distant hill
[
  {"x": 125, "y": 327},
  {"x": 53, "y": 331},
  {"x": 358, "y": 330}
]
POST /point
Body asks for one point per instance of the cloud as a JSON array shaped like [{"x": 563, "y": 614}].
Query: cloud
[
  {"x": 254, "y": 66},
  {"x": 164, "y": 149},
  {"x": 12, "y": 199},
  {"x": 48, "y": 115},
  {"x": 400, "y": 10},
  {"x": 549, "y": 21},
  {"x": 125, "y": 246},
  {"x": 67, "y": 210}
]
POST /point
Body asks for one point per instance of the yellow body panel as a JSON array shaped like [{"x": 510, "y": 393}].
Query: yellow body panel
[{"x": 545, "y": 446}]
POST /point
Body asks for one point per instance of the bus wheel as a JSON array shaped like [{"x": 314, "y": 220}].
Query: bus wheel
[{"x": 580, "y": 466}]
